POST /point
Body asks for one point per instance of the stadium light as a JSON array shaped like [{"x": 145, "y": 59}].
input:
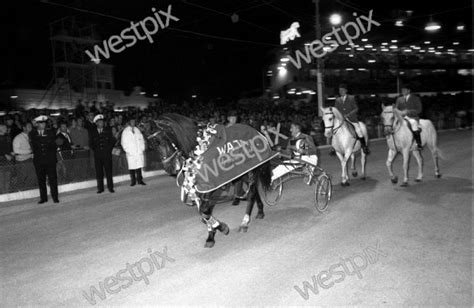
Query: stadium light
[
  {"x": 335, "y": 19},
  {"x": 399, "y": 23},
  {"x": 432, "y": 26},
  {"x": 460, "y": 27}
]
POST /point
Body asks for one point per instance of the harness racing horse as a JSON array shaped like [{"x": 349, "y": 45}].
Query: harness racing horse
[
  {"x": 176, "y": 139},
  {"x": 400, "y": 139},
  {"x": 344, "y": 141}
]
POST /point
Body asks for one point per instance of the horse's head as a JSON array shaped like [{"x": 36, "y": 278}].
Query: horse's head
[
  {"x": 388, "y": 119},
  {"x": 330, "y": 118},
  {"x": 169, "y": 153}
]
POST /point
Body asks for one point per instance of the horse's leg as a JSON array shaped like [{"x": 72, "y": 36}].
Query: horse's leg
[
  {"x": 343, "y": 160},
  {"x": 433, "y": 146},
  {"x": 353, "y": 167},
  {"x": 390, "y": 157},
  {"x": 260, "y": 214},
  {"x": 406, "y": 161},
  {"x": 363, "y": 159},
  {"x": 206, "y": 214},
  {"x": 212, "y": 223},
  {"x": 419, "y": 160},
  {"x": 244, "y": 225}
]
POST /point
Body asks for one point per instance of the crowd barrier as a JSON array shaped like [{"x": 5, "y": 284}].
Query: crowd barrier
[{"x": 73, "y": 166}]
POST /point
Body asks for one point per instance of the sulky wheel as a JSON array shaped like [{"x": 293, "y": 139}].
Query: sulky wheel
[
  {"x": 322, "y": 192},
  {"x": 271, "y": 195}
]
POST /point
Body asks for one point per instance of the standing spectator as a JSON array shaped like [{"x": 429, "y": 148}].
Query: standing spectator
[
  {"x": 134, "y": 146},
  {"x": 5, "y": 159},
  {"x": 65, "y": 145},
  {"x": 79, "y": 135},
  {"x": 12, "y": 127},
  {"x": 44, "y": 151},
  {"x": 102, "y": 143},
  {"x": 23, "y": 155}
]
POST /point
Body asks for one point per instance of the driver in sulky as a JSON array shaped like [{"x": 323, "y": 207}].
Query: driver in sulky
[{"x": 300, "y": 146}]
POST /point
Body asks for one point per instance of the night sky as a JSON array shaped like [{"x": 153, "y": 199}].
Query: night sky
[{"x": 180, "y": 63}]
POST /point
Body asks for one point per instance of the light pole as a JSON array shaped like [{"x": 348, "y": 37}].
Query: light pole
[{"x": 319, "y": 62}]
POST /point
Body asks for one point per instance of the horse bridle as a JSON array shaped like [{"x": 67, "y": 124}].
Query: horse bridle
[
  {"x": 165, "y": 159},
  {"x": 392, "y": 126},
  {"x": 333, "y": 130}
]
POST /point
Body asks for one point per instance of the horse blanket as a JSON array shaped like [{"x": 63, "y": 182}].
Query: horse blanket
[{"x": 232, "y": 152}]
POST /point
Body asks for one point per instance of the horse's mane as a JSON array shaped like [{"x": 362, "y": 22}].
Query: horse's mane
[
  {"x": 337, "y": 113},
  {"x": 180, "y": 129},
  {"x": 397, "y": 115}
]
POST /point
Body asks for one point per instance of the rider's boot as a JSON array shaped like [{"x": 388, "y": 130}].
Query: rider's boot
[
  {"x": 417, "y": 136},
  {"x": 364, "y": 146}
]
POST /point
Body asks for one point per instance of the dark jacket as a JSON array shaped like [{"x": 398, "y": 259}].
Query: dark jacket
[
  {"x": 413, "y": 105},
  {"x": 44, "y": 147},
  {"x": 348, "y": 108},
  {"x": 101, "y": 144}
]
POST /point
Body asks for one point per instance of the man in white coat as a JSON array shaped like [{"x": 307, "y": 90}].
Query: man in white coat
[{"x": 133, "y": 144}]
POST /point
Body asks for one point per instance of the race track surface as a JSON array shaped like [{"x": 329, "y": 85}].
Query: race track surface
[{"x": 378, "y": 244}]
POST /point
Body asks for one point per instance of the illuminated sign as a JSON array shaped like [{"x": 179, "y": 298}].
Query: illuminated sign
[{"x": 290, "y": 33}]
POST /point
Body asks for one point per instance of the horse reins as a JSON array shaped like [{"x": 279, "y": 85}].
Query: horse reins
[
  {"x": 394, "y": 130},
  {"x": 333, "y": 130}
]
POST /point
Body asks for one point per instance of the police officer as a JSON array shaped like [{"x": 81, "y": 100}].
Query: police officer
[
  {"x": 347, "y": 105},
  {"x": 410, "y": 107},
  {"x": 43, "y": 144},
  {"x": 102, "y": 142}
]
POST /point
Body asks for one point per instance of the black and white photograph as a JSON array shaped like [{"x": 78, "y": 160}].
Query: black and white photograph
[{"x": 251, "y": 153}]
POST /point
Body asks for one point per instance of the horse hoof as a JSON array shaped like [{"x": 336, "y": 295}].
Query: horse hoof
[
  {"x": 404, "y": 184},
  {"x": 243, "y": 229},
  {"x": 343, "y": 184},
  {"x": 260, "y": 216},
  {"x": 354, "y": 174},
  {"x": 418, "y": 180},
  {"x": 209, "y": 244},
  {"x": 363, "y": 178},
  {"x": 438, "y": 176},
  {"x": 394, "y": 180},
  {"x": 223, "y": 228}
]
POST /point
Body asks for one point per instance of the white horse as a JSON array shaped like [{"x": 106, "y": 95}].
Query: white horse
[
  {"x": 400, "y": 139},
  {"x": 344, "y": 141}
]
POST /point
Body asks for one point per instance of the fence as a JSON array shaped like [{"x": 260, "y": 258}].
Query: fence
[{"x": 72, "y": 166}]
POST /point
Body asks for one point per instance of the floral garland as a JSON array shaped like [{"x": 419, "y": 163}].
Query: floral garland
[{"x": 194, "y": 163}]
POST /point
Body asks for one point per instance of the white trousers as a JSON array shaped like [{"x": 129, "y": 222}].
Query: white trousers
[
  {"x": 292, "y": 164},
  {"x": 413, "y": 123}
]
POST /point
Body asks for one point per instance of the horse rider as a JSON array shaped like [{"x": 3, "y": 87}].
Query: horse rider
[
  {"x": 409, "y": 105},
  {"x": 347, "y": 105},
  {"x": 300, "y": 146}
]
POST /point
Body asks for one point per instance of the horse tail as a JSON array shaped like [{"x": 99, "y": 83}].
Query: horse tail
[
  {"x": 363, "y": 128},
  {"x": 264, "y": 175},
  {"x": 433, "y": 141}
]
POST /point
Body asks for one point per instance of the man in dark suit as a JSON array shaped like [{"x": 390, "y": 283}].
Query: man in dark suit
[
  {"x": 410, "y": 107},
  {"x": 347, "y": 105},
  {"x": 102, "y": 142},
  {"x": 43, "y": 144}
]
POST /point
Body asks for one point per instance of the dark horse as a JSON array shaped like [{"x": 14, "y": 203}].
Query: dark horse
[{"x": 175, "y": 139}]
